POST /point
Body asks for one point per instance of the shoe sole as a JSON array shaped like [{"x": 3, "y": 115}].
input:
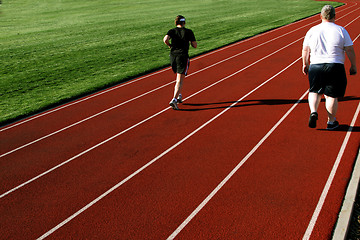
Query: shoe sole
[{"x": 332, "y": 128}]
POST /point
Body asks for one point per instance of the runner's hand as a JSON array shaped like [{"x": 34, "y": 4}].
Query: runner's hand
[
  {"x": 353, "y": 70},
  {"x": 305, "y": 69}
]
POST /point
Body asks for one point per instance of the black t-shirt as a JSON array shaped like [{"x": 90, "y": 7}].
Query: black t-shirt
[{"x": 180, "y": 38}]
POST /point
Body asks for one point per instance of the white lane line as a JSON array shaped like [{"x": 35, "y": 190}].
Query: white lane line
[
  {"x": 139, "y": 123},
  {"x": 227, "y": 178},
  {"x": 144, "y": 94},
  {"x": 79, "y": 101},
  {"x": 130, "y": 100},
  {"x": 173, "y": 147},
  {"x": 162, "y": 154},
  {"x": 149, "y": 75},
  {"x": 344, "y": 218},
  {"x": 330, "y": 179},
  {"x": 357, "y": 37},
  {"x": 232, "y": 173},
  {"x": 321, "y": 201}
]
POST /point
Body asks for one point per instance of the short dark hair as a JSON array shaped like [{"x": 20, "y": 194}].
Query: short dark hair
[{"x": 179, "y": 20}]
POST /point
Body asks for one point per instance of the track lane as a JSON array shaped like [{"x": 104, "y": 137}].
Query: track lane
[
  {"x": 65, "y": 146},
  {"x": 112, "y": 93},
  {"x": 107, "y": 165},
  {"x": 203, "y": 172},
  {"x": 88, "y": 130},
  {"x": 185, "y": 121},
  {"x": 107, "y": 153}
]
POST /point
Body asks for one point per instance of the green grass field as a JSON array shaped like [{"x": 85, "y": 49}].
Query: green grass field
[{"x": 52, "y": 51}]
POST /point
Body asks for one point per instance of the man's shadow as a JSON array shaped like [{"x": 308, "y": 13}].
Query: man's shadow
[
  {"x": 227, "y": 104},
  {"x": 245, "y": 103},
  {"x": 343, "y": 128}
]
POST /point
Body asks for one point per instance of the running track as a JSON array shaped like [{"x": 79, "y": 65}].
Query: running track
[{"x": 236, "y": 162}]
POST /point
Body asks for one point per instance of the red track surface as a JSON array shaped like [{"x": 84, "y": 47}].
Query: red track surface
[{"x": 236, "y": 162}]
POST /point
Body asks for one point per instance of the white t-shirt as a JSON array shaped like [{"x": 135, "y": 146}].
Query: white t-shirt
[{"x": 327, "y": 41}]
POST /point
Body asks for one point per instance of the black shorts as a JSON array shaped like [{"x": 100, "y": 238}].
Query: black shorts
[
  {"x": 179, "y": 63},
  {"x": 328, "y": 78}
]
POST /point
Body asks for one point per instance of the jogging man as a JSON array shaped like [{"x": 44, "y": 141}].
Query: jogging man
[
  {"x": 178, "y": 40},
  {"x": 323, "y": 57}
]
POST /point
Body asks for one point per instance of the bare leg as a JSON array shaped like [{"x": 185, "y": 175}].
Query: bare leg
[
  {"x": 179, "y": 83},
  {"x": 314, "y": 101},
  {"x": 331, "y": 105}
]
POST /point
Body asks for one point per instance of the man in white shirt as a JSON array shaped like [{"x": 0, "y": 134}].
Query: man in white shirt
[{"x": 323, "y": 56}]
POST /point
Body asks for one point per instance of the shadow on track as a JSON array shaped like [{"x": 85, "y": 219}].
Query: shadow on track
[{"x": 245, "y": 103}]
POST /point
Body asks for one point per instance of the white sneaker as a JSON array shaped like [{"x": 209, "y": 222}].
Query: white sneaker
[{"x": 173, "y": 104}]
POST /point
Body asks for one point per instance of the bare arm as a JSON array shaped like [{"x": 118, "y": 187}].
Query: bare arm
[
  {"x": 351, "y": 55},
  {"x": 306, "y": 59},
  {"x": 194, "y": 44},
  {"x": 166, "y": 40}
]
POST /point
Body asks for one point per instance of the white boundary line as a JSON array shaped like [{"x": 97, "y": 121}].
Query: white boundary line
[
  {"x": 343, "y": 222},
  {"x": 139, "y": 123},
  {"x": 120, "y": 85},
  {"x": 321, "y": 201},
  {"x": 177, "y": 144},
  {"x": 331, "y": 177},
  {"x": 242, "y": 162},
  {"x": 128, "y": 129},
  {"x": 227, "y": 178},
  {"x": 166, "y": 152},
  {"x": 130, "y": 100},
  {"x": 144, "y": 94}
]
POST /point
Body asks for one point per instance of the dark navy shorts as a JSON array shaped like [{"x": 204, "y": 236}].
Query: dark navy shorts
[
  {"x": 328, "y": 78},
  {"x": 179, "y": 63}
]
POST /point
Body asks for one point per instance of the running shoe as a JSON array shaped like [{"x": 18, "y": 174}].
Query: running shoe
[
  {"x": 332, "y": 126},
  {"x": 312, "y": 120},
  {"x": 173, "y": 104},
  {"x": 179, "y": 99}
]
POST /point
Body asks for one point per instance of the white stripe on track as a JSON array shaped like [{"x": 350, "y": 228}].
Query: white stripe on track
[
  {"x": 177, "y": 144},
  {"x": 143, "y": 77},
  {"x": 163, "y": 154},
  {"x": 331, "y": 177},
  {"x": 146, "y": 93},
  {"x": 227, "y": 178},
  {"x": 357, "y": 37},
  {"x": 140, "y": 96},
  {"x": 130, "y": 100},
  {"x": 325, "y": 191},
  {"x": 139, "y": 123},
  {"x": 126, "y": 130},
  {"x": 241, "y": 163}
]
